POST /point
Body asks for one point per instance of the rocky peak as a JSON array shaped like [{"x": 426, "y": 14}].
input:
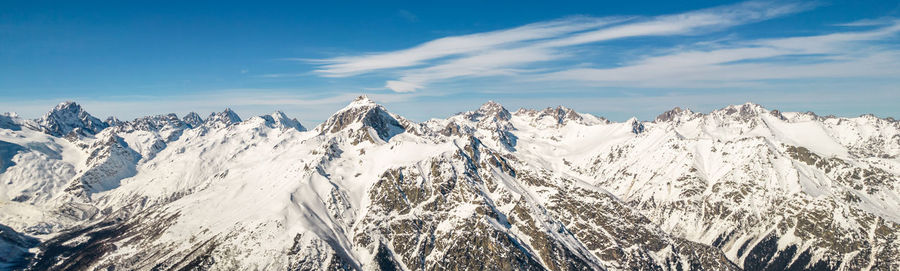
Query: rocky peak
[
  {"x": 113, "y": 121},
  {"x": 746, "y": 112},
  {"x": 490, "y": 111},
  {"x": 561, "y": 114},
  {"x": 677, "y": 114},
  {"x": 363, "y": 113},
  {"x": 67, "y": 116},
  {"x": 226, "y": 117},
  {"x": 156, "y": 123},
  {"x": 637, "y": 127},
  {"x": 362, "y": 100},
  {"x": 192, "y": 119},
  {"x": 279, "y": 120}
]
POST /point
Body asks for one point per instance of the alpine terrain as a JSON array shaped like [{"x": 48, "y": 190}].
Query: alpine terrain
[{"x": 739, "y": 188}]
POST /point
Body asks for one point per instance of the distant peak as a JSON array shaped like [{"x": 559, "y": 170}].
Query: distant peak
[
  {"x": 113, "y": 121},
  {"x": 637, "y": 127},
  {"x": 67, "y": 104},
  {"x": 748, "y": 110},
  {"x": 280, "y": 120},
  {"x": 490, "y": 105},
  {"x": 367, "y": 113},
  {"x": 68, "y": 116},
  {"x": 491, "y": 109},
  {"x": 559, "y": 109},
  {"x": 748, "y": 106},
  {"x": 676, "y": 114},
  {"x": 192, "y": 119},
  {"x": 361, "y": 101},
  {"x": 278, "y": 114},
  {"x": 227, "y": 117}
]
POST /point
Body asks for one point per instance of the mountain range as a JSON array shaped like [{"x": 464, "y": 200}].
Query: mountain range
[{"x": 739, "y": 188}]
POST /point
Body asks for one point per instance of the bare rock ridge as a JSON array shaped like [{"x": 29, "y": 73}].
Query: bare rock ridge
[
  {"x": 67, "y": 117},
  {"x": 192, "y": 119},
  {"x": 739, "y": 188},
  {"x": 362, "y": 115}
]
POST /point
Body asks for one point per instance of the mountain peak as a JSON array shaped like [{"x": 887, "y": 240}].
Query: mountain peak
[
  {"x": 113, "y": 121},
  {"x": 192, "y": 119},
  {"x": 361, "y": 100},
  {"x": 226, "y": 117},
  {"x": 156, "y": 123},
  {"x": 747, "y": 111},
  {"x": 637, "y": 126},
  {"x": 67, "y": 105},
  {"x": 280, "y": 120},
  {"x": 676, "y": 114},
  {"x": 491, "y": 110},
  {"x": 66, "y": 117},
  {"x": 562, "y": 113},
  {"x": 360, "y": 113}
]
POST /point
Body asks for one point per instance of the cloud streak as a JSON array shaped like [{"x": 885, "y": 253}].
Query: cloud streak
[
  {"x": 854, "y": 54},
  {"x": 517, "y": 51}
]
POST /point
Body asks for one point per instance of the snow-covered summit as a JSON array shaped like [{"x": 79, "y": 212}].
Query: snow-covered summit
[
  {"x": 361, "y": 101},
  {"x": 69, "y": 116},
  {"x": 279, "y": 120},
  {"x": 365, "y": 119},
  {"x": 677, "y": 114},
  {"x": 192, "y": 119},
  {"x": 558, "y": 116},
  {"x": 490, "y": 112},
  {"x": 158, "y": 122},
  {"x": 637, "y": 126},
  {"x": 225, "y": 118},
  {"x": 745, "y": 112}
]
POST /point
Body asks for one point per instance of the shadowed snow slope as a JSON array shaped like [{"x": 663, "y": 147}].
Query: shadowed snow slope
[{"x": 742, "y": 187}]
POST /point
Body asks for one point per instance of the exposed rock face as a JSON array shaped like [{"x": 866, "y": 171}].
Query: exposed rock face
[
  {"x": 224, "y": 118},
  {"x": 110, "y": 160},
  {"x": 192, "y": 119},
  {"x": 490, "y": 112},
  {"x": 366, "y": 120},
  {"x": 636, "y": 126},
  {"x": 742, "y": 187},
  {"x": 677, "y": 115},
  {"x": 281, "y": 121},
  {"x": 67, "y": 117},
  {"x": 558, "y": 116}
]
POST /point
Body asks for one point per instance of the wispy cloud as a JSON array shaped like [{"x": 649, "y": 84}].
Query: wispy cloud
[
  {"x": 854, "y": 54},
  {"x": 517, "y": 51},
  {"x": 455, "y": 46}
]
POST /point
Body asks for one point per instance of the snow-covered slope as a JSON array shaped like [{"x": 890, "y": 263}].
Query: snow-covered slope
[{"x": 741, "y": 187}]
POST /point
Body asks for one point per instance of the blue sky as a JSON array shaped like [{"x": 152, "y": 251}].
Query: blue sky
[{"x": 426, "y": 59}]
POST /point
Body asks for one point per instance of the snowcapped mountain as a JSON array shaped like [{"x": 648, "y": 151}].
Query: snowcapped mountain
[
  {"x": 68, "y": 117},
  {"x": 742, "y": 187}
]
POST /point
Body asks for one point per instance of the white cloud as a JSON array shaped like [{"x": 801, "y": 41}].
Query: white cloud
[
  {"x": 457, "y": 45},
  {"x": 514, "y": 51},
  {"x": 836, "y": 55},
  {"x": 400, "y": 86}
]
